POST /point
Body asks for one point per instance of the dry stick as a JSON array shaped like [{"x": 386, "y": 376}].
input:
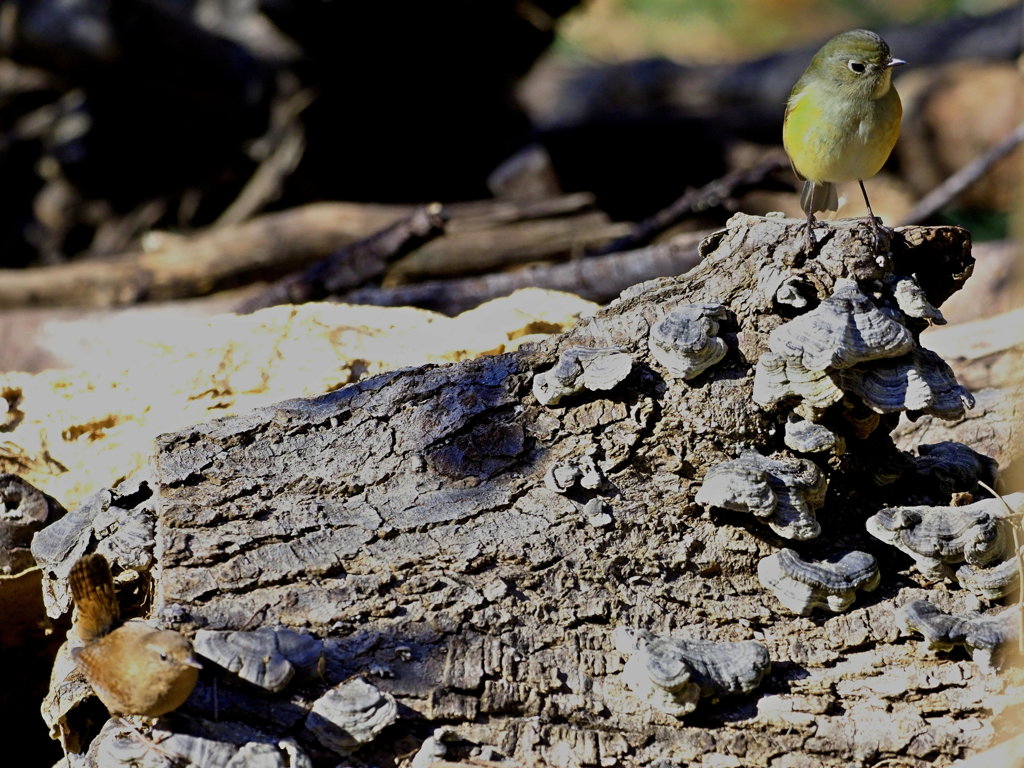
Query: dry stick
[
  {"x": 599, "y": 278},
  {"x": 356, "y": 263},
  {"x": 266, "y": 246},
  {"x": 287, "y": 137},
  {"x": 952, "y": 187},
  {"x": 198, "y": 264},
  {"x": 1020, "y": 564},
  {"x": 481, "y": 249},
  {"x": 711, "y": 195},
  {"x": 496, "y": 212}
]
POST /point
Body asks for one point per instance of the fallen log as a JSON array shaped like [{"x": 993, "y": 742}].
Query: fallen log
[{"x": 509, "y": 550}]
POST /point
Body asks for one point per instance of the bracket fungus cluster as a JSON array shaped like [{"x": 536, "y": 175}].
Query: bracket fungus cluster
[
  {"x": 848, "y": 345},
  {"x": 982, "y": 635},
  {"x": 833, "y": 371},
  {"x": 346, "y": 716},
  {"x": 845, "y": 329},
  {"x": 350, "y": 714},
  {"x": 802, "y": 585},
  {"x": 116, "y": 745},
  {"x": 685, "y": 341},
  {"x": 580, "y": 369},
  {"x": 672, "y": 674},
  {"x": 971, "y": 544},
  {"x": 936, "y": 537},
  {"x": 785, "y": 493},
  {"x": 267, "y": 657}
]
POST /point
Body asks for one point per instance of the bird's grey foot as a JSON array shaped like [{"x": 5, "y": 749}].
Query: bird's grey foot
[
  {"x": 812, "y": 243},
  {"x": 881, "y": 233},
  {"x": 146, "y": 741}
]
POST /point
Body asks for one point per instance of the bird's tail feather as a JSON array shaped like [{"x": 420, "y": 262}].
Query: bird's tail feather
[{"x": 819, "y": 196}]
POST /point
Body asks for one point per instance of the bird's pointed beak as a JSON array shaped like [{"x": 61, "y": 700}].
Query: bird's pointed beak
[{"x": 894, "y": 63}]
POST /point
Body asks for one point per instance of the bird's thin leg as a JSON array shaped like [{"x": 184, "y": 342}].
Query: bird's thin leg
[
  {"x": 811, "y": 243},
  {"x": 871, "y": 216}
]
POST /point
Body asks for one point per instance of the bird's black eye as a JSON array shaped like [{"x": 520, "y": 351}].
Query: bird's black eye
[
  {"x": 163, "y": 656},
  {"x": 856, "y": 66}
]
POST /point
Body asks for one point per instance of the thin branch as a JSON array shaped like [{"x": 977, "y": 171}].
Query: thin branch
[
  {"x": 356, "y": 263},
  {"x": 712, "y": 195},
  {"x": 174, "y": 267},
  {"x": 600, "y": 278},
  {"x": 286, "y": 143},
  {"x": 265, "y": 248},
  {"x": 954, "y": 186}
]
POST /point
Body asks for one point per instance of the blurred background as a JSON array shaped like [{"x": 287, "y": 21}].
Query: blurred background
[{"x": 118, "y": 117}]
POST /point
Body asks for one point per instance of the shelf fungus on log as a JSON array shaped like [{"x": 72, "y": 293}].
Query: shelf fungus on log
[
  {"x": 672, "y": 674},
  {"x": 267, "y": 657},
  {"x": 936, "y": 537},
  {"x": 785, "y": 493},
  {"x": 842, "y": 331},
  {"x": 803, "y": 585},
  {"x": 805, "y": 436},
  {"x": 982, "y": 634},
  {"x": 993, "y": 582},
  {"x": 920, "y": 382},
  {"x": 405, "y": 521},
  {"x": 686, "y": 342},
  {"x": 579, "y": 369},
  {"x": 351, "y": 714},
  {"x": 949, "y": 467}
]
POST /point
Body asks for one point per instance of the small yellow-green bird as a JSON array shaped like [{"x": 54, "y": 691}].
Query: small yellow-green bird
[{"x": 842, "y": 120}]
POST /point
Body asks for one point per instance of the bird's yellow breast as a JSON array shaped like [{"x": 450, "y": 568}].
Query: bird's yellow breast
[{"x": 832, "y": 137}]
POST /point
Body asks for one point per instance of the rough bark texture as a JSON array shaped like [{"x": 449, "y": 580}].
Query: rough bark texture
[{"x": 405, "y": 519}]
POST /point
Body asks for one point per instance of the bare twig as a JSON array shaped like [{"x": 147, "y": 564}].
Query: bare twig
[
  {"x": 711, "y": 195},
  {"x": 496, "y": 212},
  {"x": 952, "y": 187},
  {"x": 484, "y": 247},
  {"x": 176, "y": 267},
  {"x": 356, "y": 263},
  {"x": 285, "y": 143},
  {"x": 275, "y": 244},
  {"x": 600, "y": 278}
]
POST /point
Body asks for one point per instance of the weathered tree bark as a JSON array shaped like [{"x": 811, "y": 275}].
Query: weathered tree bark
[{"x": 410, "y": 521}]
